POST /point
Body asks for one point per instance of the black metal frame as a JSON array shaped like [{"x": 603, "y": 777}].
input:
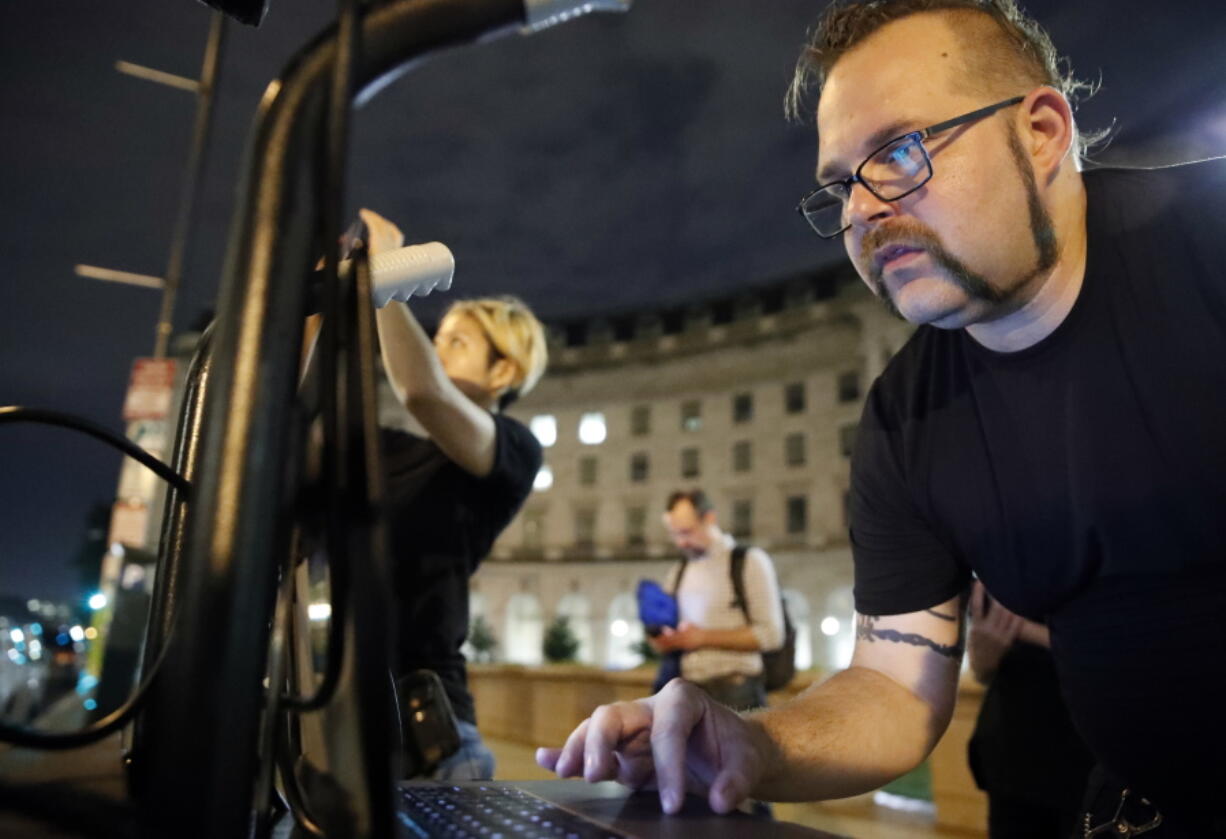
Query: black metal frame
[{"x": 205, "y": 737}]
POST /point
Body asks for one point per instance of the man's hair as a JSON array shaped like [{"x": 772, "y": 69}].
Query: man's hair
[
  {"x": 699, "y": 499},
  {"x": 1016, "y": 50},
  {"x": 514, "y": 333}
]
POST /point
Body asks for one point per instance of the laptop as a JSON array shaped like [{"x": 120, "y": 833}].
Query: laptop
[{"x": 567, "y": 810}]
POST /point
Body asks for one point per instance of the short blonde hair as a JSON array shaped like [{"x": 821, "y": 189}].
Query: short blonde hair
[{"x": 514, "y": 332}]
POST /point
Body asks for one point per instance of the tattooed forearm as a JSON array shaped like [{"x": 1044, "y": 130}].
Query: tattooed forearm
[{"x": 866, "y": 630}]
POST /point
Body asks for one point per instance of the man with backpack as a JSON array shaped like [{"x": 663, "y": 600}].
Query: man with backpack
[{"x": 731, "y": 632}]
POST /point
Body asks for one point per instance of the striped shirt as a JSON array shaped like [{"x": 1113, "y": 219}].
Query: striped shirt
[{"x": 707, "y": 599}]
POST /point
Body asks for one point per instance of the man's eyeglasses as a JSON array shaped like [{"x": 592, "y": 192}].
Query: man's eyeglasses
[{"x": 895, "y": 170}]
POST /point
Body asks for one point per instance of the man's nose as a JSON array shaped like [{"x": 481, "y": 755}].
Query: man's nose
[{"x": 864, "y": 208}]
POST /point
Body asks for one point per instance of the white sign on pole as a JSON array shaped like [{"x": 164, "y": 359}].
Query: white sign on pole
[{"x": 150, "y": 389}]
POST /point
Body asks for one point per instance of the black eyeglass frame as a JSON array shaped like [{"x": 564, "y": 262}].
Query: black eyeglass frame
[{"x": 916, "y": 136}]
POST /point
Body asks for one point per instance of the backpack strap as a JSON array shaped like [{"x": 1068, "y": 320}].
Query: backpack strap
[
  {"x": 680, "y": 574},
  {"x": 737, "y": 572}
]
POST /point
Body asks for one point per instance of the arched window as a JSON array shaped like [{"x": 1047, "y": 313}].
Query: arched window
[
  {"x": 577, "y": 608},
  {"x": 798, "y": 611},
  {"x": 624, "y": 633},
  {"x": 837, "y": 626},
  {"x": 525, "y": 629},
  {"x": 476, "y": 608}
]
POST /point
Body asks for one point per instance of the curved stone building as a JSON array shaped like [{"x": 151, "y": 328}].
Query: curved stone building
[{"x": 755, "y": 399}]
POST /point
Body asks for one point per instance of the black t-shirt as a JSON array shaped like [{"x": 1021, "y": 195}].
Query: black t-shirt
[
  {"x": 442, "y": 521},
  {"x": 1083, "y": 479}
]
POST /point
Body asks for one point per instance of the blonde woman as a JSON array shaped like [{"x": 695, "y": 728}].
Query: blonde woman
[{"x": 450, "y": 495}]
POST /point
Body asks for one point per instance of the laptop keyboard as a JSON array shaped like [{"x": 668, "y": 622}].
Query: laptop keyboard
[{"x": 481, "y": 812}]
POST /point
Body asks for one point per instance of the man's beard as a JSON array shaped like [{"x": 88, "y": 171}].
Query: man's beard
[{"x": 974, "y": 285}]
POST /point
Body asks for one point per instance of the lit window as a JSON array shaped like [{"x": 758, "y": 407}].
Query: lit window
[
  {"x": 525, "y": 629},
  {"x": 592, "y": 429},
  {"x": 625, "y": 633},
  {"x": 691, "y": 415},
  {"x": 545, "y": 427},
  {"x": 544, "y": 479}
]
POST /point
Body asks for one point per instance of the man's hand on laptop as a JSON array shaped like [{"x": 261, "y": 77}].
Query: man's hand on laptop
[{"x": 678, "y": 741}]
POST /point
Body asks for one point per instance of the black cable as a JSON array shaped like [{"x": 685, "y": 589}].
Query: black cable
[
  {"x": 18, "y": 413},
  {"x": 112, "y": 722},
  {"x": 27, "y": 737}
]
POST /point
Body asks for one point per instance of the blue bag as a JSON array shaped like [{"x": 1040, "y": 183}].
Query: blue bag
[{"x": 657, "y": 608}]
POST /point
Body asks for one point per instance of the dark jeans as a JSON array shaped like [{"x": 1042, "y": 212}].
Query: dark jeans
[
  {"x": 740, "y": 693},
  {"x": 473, "y": 762}
]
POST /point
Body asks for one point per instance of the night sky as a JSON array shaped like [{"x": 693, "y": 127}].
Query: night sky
[{"x": 610, "y": 164}]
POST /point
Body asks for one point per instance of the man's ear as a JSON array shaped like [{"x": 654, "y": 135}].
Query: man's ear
[
  {"x": 1048, "y": 132},
  {"x": 502, "y": 375}
]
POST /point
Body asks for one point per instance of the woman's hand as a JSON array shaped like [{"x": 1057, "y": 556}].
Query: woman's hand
[{"x": 381, "y": 235}]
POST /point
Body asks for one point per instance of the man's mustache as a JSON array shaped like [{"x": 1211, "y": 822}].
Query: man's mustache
[{"x": 912, "y": 235}]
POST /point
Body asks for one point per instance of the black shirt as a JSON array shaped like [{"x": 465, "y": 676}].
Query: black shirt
[
  {"x": 442, "y": 522},
  {"x": 1083, "y": 479}
]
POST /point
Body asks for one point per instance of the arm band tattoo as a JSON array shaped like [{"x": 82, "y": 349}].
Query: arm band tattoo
[{"x": 866, "y": 631}]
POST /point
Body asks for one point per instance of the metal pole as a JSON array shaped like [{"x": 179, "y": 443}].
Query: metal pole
[{"x": 195, "y": 165}]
